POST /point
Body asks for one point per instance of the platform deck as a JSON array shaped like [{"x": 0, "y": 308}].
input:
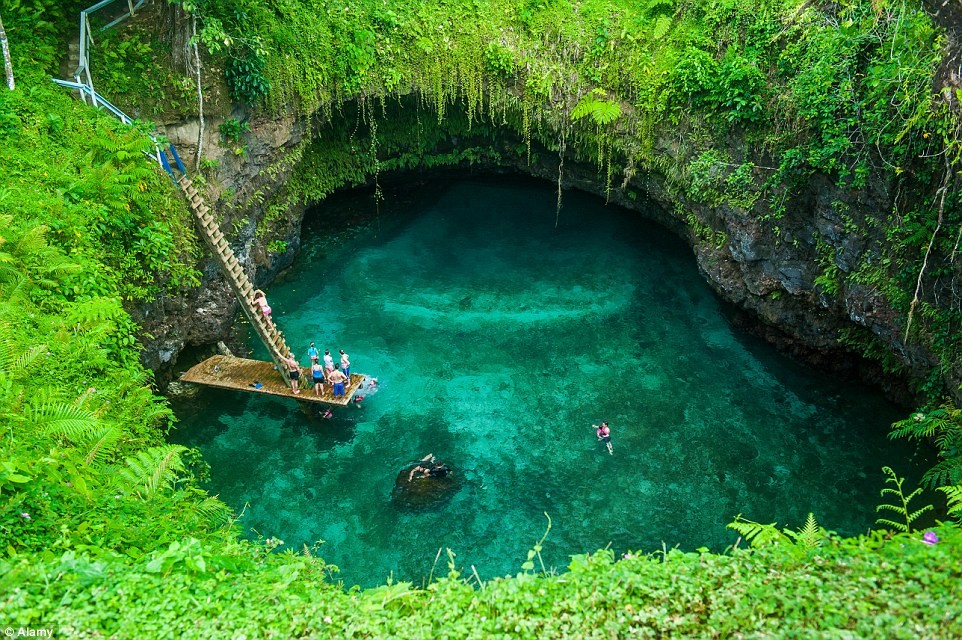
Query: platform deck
[{"x": 240, "y": 374}]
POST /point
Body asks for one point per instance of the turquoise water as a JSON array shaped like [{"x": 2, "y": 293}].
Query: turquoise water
[{"x": 498, "y": 340}]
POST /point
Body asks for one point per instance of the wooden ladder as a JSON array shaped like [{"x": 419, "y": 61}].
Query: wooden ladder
[{"x": 239, "y": 283}]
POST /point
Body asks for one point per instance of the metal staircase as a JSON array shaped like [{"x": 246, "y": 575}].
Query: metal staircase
[{"x": 239, "y": 283}]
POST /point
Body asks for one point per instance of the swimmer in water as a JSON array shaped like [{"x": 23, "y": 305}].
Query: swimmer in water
[
  {"x": 604, "y": 434},
  {"x": 433, "y": 469},
  {"x": 327, "y": 415}
]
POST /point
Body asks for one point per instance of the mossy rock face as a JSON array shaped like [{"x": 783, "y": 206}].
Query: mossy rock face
[{"x": 423, "y": 493}]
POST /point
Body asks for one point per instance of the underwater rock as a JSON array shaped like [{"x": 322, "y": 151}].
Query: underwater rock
[
  {"x": 181, "y": 390},
  {"x": 423, "y": 492}
]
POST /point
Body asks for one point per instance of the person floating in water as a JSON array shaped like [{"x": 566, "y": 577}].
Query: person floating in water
[
  {"x": 433, "y": 468},
  {"x": 604, "y": 434}
]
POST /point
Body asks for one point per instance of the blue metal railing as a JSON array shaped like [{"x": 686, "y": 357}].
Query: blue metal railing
[{"x": 86, "y": 87}]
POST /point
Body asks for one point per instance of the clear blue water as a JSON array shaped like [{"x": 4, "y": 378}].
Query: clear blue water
[{"x": 498, "y": 340}]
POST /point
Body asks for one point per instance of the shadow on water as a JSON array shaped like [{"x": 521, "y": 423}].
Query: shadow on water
[{"x": 499, "y": 340}]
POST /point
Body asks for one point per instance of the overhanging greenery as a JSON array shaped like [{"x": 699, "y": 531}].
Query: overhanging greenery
[{"x": 104, "y": 527}]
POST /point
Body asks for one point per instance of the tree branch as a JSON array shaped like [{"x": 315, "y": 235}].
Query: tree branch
[{"x": 7, "y": 65}]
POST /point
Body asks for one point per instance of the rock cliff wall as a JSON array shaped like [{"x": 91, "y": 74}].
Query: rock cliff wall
[{"x": 767, "y": 271}]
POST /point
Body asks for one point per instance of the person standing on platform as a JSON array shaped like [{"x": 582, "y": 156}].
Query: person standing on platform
[
  {"x": 317, "y": 373},
  {"x": 345, "y": 364},
  {"x": 328, "y": 360},
  {"x": 312, "y": 354},
  {"x": 293, "y": 371},
  {"x": 337, "y": 380}
]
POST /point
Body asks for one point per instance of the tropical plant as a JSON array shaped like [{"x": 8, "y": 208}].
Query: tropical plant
[
  {"x": 943, "y": 426},
  {"x": 760, "y": 535},
  {"x": 954, "y": 496},
  {"x": 901, "y": 504},
  {"x": 152, "y": 470}
]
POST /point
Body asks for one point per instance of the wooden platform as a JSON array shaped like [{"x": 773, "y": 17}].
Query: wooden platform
[{"x": 241, "y": 374}]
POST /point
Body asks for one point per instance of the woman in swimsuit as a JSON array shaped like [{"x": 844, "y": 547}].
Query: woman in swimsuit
[{"x": 317, "y": 373}]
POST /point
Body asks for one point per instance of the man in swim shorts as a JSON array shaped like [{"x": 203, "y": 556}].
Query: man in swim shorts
[
  {"x": 337, "y": 379},
  {"x": 293, "y": 371}
]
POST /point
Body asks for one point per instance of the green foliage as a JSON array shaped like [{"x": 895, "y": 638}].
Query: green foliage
[
  {"x": 499, "y": 59},
  {"x": 150, "y": 471},
  {"x": 245, "y": 77},
  {"x": 759, "y": 535},
  {"x": 901, "y": 506},
  {"x": 943, "y": 426},
  {"x": 232, "y": 129},
  {"x": 602, "y": 112},
  {"x": 132, "y": 69},
  {"x": 954, "y": 497},
  {"x": 192, "y": 588},
  {"x": 104, "y": 528}
]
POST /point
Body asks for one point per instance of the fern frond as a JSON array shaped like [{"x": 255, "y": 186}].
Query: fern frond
[
  {"x": 66, "y": 420},
  {"x": 584, "y": 107},
  {"x": 25, "y": 359},
  {"x": 662, "y": 25},
  {"x": 149, "y": 471},
  {"x": 102, "y": 444},
  {"x": 757, "y": 534},
  {"x": 954, "y": 497},
  {"x": 211, "y": 512},
  {"x": 810, "y": 534},
  {"x": 912, "y": 517},
  {"x": 945, "y": 472},
  {"x": 890, "y": 507},
  {"x": 897, "y": 526},
  {"x": 901, "y": 505}
]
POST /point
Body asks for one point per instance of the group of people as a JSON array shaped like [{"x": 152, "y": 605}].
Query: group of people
[
  {"x": 336, "y": 374},
  {"x": 429, "y": 467}
]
